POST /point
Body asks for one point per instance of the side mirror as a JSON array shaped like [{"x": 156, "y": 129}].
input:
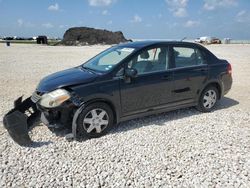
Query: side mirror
[{"x": 131, "y": 72}]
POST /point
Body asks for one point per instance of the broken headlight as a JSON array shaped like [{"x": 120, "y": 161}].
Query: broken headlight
[{"x": 54, "y": 98}]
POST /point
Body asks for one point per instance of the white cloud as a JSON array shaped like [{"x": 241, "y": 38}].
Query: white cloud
[
  {"x": 54, "y": 7},
  {"x": 159, "y": 16},
  {"x": 105, "y": 12},
  {"x": 241, "y": 13},
  {"x": 178, "y": 7},
  {"x": 136, "y": 19},
  {"x": 191, "y": 23},
  {"x": 20, "y": 22},
  {"x": 172, "y": 24},
  {"x": 177, "y": 3},
  {"x": 96, "y": 3},
  {"x": 148, "y": 25},
  {"x": 180, "y": 12},
  {"x": 48, "y": 25},
  {"x": 23, "y": 23},
  {"x": 243, "y": 16},
  {"x": 63, "y": 26},
  {"x": 110, "y": 22},
  {"x": 213, "y": 4}
]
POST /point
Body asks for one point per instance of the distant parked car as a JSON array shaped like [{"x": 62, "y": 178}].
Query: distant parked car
[
  {"x": 42, "y": 40},
  {"x": 208, "y": 40},
  {"x": 200, "y": 39},
  {"x": 215, "y": 40},
  {"x": 124, "y": 82}
]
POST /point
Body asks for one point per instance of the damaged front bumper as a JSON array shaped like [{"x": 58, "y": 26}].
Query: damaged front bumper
[
  {"x": 20, "y": 120},
  {"x": 26, "y": 114}
]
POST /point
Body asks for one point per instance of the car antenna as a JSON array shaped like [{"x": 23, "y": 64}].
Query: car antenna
[{"x": 183, "y": 39}]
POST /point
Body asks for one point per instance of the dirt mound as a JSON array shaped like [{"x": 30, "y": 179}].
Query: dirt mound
[{"x": 89, "y": 36}]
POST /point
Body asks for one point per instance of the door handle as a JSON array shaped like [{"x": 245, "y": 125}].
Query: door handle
[
  {"x": 166, "y": 77},
  {"x": 203, "y": 70}
]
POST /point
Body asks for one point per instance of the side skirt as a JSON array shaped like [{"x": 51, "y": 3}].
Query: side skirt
[{"x": 156, "y": 111}]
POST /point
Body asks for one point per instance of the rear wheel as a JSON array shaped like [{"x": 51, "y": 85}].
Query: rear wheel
[
  {"x": 208, "y": 99},
  {"x": 95, "y": 120}
]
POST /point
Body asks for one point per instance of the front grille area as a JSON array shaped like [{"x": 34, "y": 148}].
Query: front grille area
[{"x": 36, "y": 96}]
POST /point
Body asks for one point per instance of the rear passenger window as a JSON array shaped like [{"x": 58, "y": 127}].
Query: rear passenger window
[{"x": 185, "y": 57}]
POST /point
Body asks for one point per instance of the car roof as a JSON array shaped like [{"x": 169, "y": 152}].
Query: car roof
[{"x": 142, "y": 44}]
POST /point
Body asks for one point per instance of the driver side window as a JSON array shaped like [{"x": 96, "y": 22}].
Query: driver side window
[{"x": 150, "y": 60}]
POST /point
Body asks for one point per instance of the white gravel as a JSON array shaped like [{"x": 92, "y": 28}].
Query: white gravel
[{"x": 183, "y": 148}]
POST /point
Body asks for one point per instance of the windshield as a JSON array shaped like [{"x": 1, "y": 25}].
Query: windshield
[{"x": 106, "y": 60}]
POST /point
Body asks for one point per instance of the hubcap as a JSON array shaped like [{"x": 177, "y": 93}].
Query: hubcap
[
  {"x": 209, "y": 99},
  {"x": 95, "y": 120}
]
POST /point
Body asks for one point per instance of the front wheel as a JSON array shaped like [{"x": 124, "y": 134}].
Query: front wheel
[
  {"x": 95, "y": 120},
  {"x": 208, "y": 99}
]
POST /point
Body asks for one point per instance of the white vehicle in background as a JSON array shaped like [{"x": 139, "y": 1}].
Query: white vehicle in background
[
  {"x": 208, "y": 40},
  {"x": 201, "y": 39}
]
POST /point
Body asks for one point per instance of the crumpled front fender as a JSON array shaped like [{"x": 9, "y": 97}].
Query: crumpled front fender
[{"x": 20, "y": 120}]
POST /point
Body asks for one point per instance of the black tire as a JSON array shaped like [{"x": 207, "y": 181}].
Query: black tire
[
  {"x": 203, "y": 106},
  {"x": 86, "y": 114}
]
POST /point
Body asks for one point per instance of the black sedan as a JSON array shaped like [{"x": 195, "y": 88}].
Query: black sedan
[{"x": 125, "y": 81}]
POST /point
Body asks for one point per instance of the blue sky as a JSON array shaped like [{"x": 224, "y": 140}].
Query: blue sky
[{"x": 140, "y": 19}]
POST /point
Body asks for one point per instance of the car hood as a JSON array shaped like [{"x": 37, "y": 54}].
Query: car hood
[{"x": 73, "y": 76}]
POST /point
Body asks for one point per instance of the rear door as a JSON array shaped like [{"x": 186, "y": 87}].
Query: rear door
[
  {"x": 153, "y": 85},
  {"x": 190, "y": 72}
]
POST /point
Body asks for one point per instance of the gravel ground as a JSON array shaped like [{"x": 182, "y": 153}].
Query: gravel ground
[{"x": 183, "y": 148}]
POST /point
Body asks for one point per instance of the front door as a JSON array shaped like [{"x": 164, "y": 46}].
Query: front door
[{"x": 153, "y": 85}]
